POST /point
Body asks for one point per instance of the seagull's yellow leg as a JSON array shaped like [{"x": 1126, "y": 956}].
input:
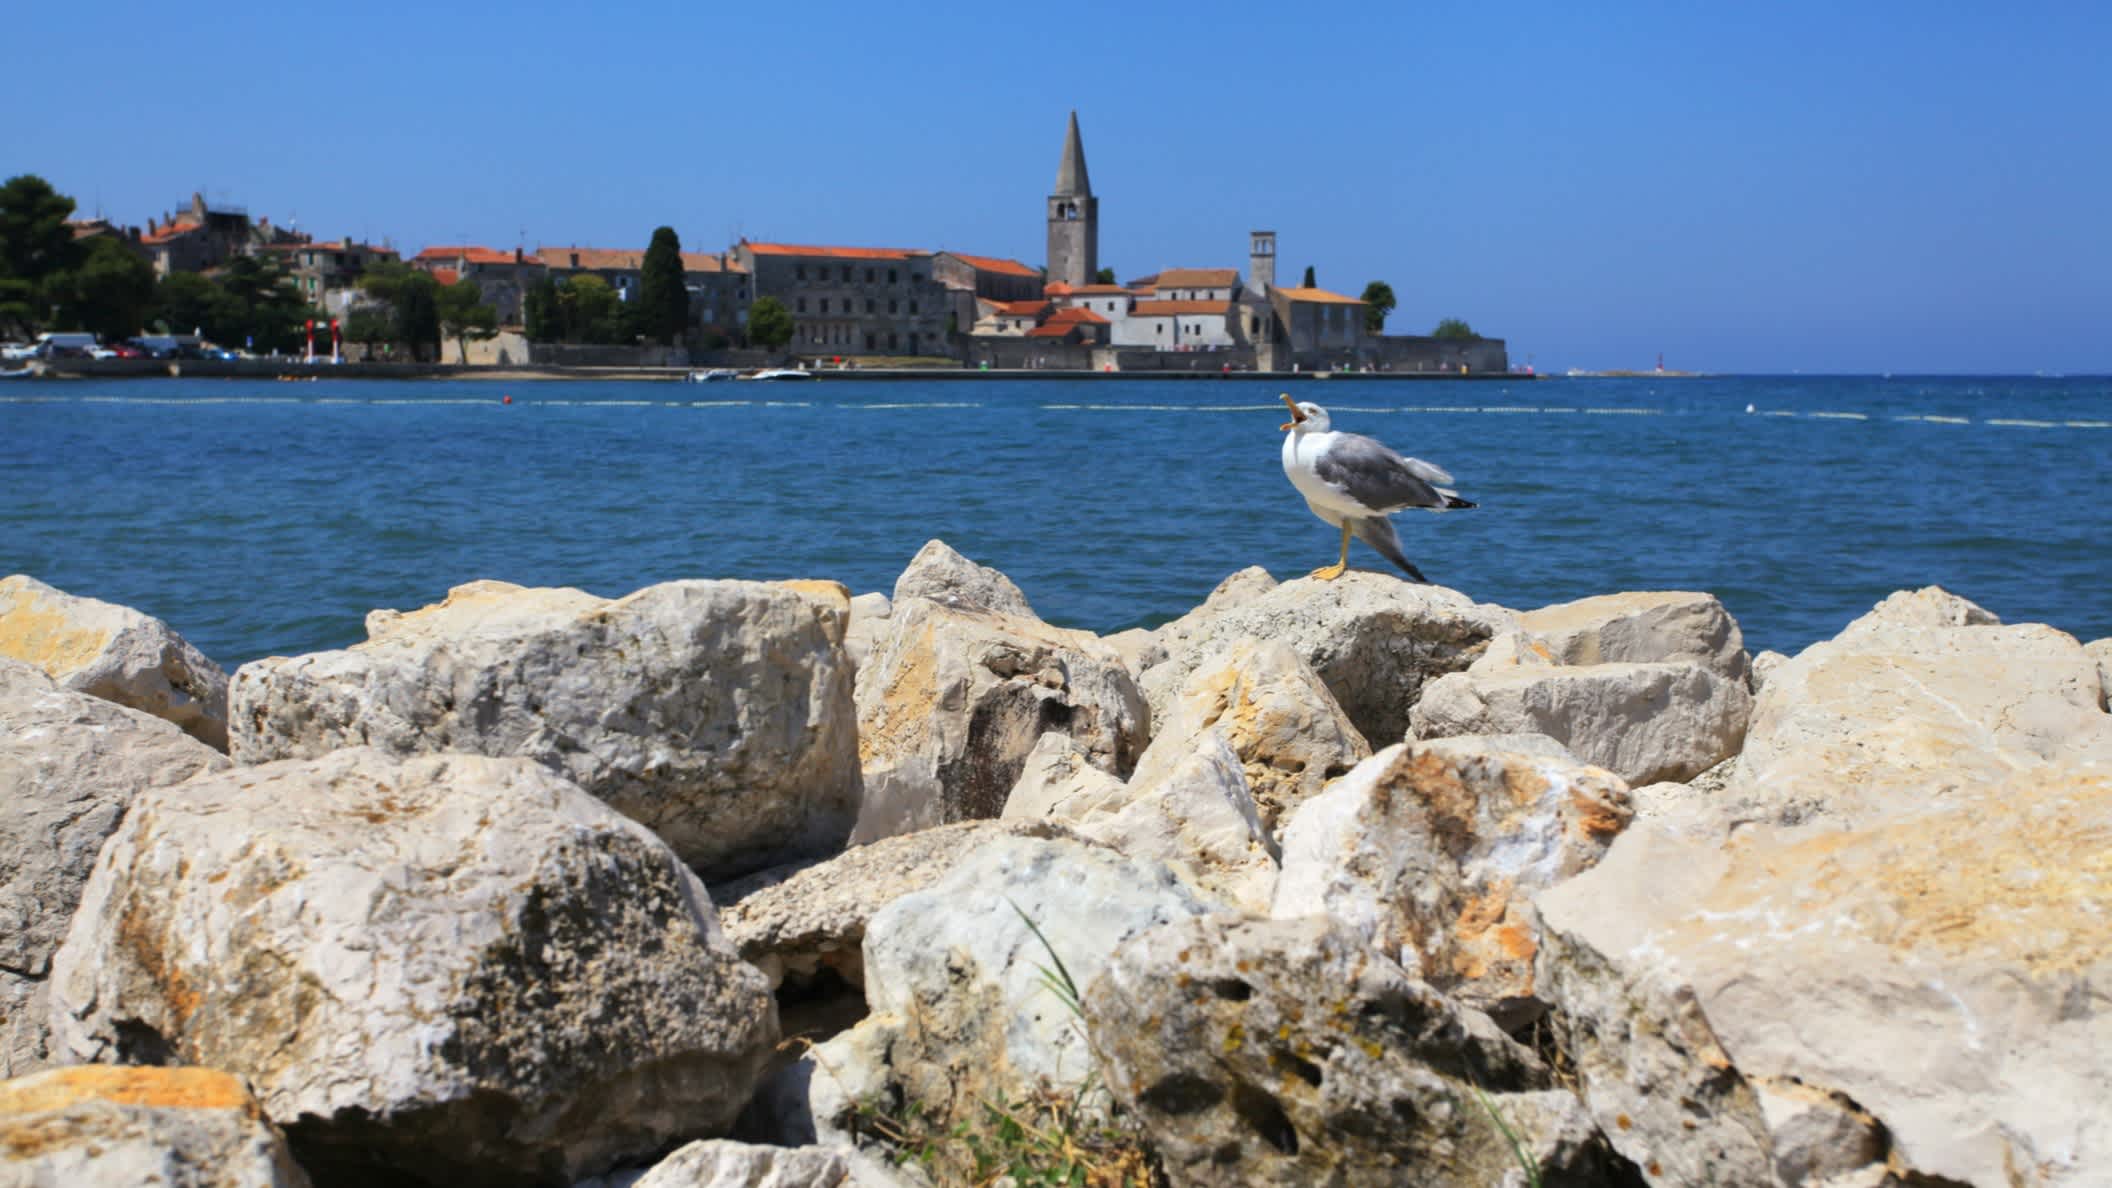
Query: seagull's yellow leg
[{"x": 1328, "y": 573}]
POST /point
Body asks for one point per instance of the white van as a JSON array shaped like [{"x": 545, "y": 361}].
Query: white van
[{"x": 56, "y": 342}]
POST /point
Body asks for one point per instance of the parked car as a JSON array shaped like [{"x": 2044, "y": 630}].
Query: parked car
[
  {"x": 126, "y": 350},
  {"x": 15, "y": 352},
  {"x": 65, "y": 344}
]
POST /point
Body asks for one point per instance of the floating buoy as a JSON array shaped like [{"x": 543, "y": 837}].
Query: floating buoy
[{"x": 505, "y": 400}]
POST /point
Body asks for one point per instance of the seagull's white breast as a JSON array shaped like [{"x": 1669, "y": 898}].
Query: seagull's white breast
[{"x": 1301, "y": 461}]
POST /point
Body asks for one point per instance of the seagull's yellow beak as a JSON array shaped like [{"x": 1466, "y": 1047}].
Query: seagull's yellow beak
[{"x": 1296, "y": 416}]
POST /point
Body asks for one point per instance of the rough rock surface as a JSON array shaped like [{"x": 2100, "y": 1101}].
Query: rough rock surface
[
  {"x": 1640, "y": 628},
  {"x": 171, "y": 1127},
  {"x": 452, "y": 966},
  {"x": 1266, "y": 1052},
  {"x": 1934, "y": 969},
  {"x": 722, "y": 1163},
  {"x": 953, "y": 974},
  {"x": 947, "y": 578},
  {"x": 1765, "y": 664},
  {"x": 1924, "y": 694},
  {"x": 1433, "y": 857},
  {"x": 1058, "y": 781},
  {"x": 1290, "y": 734},
  {"x": 869, "y": 614},
  {"x": 2100, "y": 650},
  {"x": 718, "y": 713},
  {"x": 1373, "y": 639},
  {"x": 816, "y": 919},
  {"x": 1200, "y": 819},
  {"x": 953, "y": 699},
  {"x": 115, "y": 653},
  {"x": 1643, "y": 722},
  {"x": 70, "y": 763}
]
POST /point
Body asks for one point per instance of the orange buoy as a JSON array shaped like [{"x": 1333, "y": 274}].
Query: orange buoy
[{"x": 505, "y": 400}]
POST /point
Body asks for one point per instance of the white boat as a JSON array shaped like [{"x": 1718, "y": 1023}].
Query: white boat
[
  {"x": 781, "y": 373},
  {"x": 713, "y": 376}
]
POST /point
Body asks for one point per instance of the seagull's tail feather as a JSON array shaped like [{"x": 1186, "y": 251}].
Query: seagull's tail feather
[
  {"x": 1377, "y": 531},
  {"x": 1454, "y": 502}
]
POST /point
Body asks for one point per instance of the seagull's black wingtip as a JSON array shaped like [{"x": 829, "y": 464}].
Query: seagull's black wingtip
[{"x": 1454, "y": 502}]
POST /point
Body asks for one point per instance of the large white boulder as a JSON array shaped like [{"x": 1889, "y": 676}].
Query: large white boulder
[
  {"x": 1644, "y": 722},
  {"x": 168, "y": 1127},
  {"x": 115, "y": 653},
  {"x": 1637, "y": 627},
  {"x": 1200, "y": 818},
  {"x": 70, "y": 764},
  {"x": 953, "y": 699},
  {"x": 1432, "y": 855},
  {"x": 1911, "y": 992},
  {"x": 718, "y": 713},
  {"x": 942, "y": 575},
  {"x": 1372, "y": 639},
  {"x": 1286, "y": 1052},
  {"x": 457, "y": 966}
]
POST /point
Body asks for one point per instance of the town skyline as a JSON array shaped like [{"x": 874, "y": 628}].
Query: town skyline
[{"x": 1730, "y": 191}]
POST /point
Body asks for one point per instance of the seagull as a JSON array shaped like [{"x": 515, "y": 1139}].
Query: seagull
[{"x": 1355, "y": 483}]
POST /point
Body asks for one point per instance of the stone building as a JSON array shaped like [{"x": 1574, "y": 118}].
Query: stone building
[
  {"x": 203, "y": 236},
  {"x": 1074, "y": 218},
  {"x": 327, "y": 273},
  {"x": 718, "y": 287},
  {"x": 502, "y": 277},
  {"x": 852, "y": 301},
  {"x": 1327, "y": 327}
]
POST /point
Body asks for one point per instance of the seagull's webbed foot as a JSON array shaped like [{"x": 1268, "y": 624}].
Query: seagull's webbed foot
[{"x": 1328, "y": 573}]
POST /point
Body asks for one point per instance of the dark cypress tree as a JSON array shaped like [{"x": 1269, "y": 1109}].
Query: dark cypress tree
[
  {"x": 663, "y": 300},
  {"x": 1309, "y": 282},
  {"x": 418, "y": 316}
]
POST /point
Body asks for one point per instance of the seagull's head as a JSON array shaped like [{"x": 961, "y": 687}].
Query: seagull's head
[{"x": 1306, "y": 417}]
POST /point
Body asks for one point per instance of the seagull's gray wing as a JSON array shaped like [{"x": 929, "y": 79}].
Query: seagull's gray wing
[{"x": 1375, "y": 476}]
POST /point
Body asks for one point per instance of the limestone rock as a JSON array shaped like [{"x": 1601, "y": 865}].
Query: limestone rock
[
  {"x": 1373, "y": 640},
  {"x": 2100, "y": 650},
  {"x": 1139, "y": 648},
  {"x": 1640, "y": 628},
  {"x": 953, "y": 700},
  {"x": 1433, "y": 858},
  {"x": 454, "y": 966},
  {"x": 1289, "y": 733},
  {"x": 816, "y": 919},
  {"x": 1285, "y": 1052},
  {"x": 1893, "y": 711},
  {"x": 1928, "y": 968},
  {"x": 172, "y": 1127},
  {"x": 953, "y": 974},
  {"x": 721, "y": 1163},
  {"x": 1463, "y": 746},
  {"x": 947, "y": 578},
  {"x": 718, "y": 713},
  {"x": 1201, "y": 820},
  {"x": 869, "y": 614},
  {"x": 70, "y": 764},
  {"x": 1643, "y": 722},
  {"x": 115, "y": 653},
  {"x": 1765, "y": 664},
  {"x": 1057, "y": 781}
]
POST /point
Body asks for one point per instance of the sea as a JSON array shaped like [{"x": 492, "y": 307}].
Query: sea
[{"x": 267, "y": 518}]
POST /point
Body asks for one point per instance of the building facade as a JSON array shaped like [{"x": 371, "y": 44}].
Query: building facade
[
  {"x": 852, "y": 301},
  {"x": 504, "y": 278}
]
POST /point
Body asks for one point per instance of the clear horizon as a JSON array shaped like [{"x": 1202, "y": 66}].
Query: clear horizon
[{"x": 1891, "y": 189}]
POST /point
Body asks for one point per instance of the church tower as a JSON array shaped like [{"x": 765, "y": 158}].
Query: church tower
[{"x": 1074, "y": 218}]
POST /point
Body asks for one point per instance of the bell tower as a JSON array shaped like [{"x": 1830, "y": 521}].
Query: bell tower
[
  {"x": 1074, "y": 217},
  {"x": 1261, "y": 262}
]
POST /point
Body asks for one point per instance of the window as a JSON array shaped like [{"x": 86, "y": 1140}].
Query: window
[
  {"x": 868, "y": 305},
  {"x": 802, "y": 306},
  {"x": 824, "y": 305},
  {"x": 1160, "y": 328},
  {"x": 869, "y": 342},
  {"x": 868, "y": 276},
  {"x": 891, "y": 303},
  {"x": 890, "y": 340},
  {"x": 799, "y": 271},
  {"x": 846, "y": 274},
  {"x": 912, "y": 307},
  {"x": 890, "y": 276}
]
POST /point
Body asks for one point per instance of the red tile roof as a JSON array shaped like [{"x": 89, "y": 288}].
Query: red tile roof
[
  {"x": 1076, "y": 316},
  {"x": 1198, "y": 278},
  {"x": 446, "y": 276},
  {"x": 996, "y": 264},
  {"x": 1321, "y": 296},
  {"x": 1020, "y": 309},
  {"x": 845, "y": 253},
  {"x": 1089, "y": 290},
  {"x": 1174, "y": 309},
  {"x": 1052, "y": 330},
  {"x": 177, "y": 231},
  {"x": 623, "y": 260},
  {"x": 468, "y": 255}
]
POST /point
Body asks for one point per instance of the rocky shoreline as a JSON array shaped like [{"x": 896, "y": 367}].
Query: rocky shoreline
[{"x": 1357, "y": 882}]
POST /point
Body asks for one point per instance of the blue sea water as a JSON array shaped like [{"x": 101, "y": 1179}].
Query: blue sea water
[{"x": 264, "y": 518}]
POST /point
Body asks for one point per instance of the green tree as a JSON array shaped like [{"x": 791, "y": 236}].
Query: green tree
[
  {"x": 111, "y": 292},
  {"x": 1378, "y": 302},
  {"x": 769, "y": 324},
  {"x": 1309, "y": 282},
  {"x": 383, "y": 280},
  {"x": 464, "y": 315},
  {"x": 369, "y": 325},
  {"x": 417, "y": 306},
  {"x": 269, "y": 312},
  {"x": 1453, "y": 328},
  {"x": 188, "y": 303},
  {"x": 35, "y": 245},
  {"x": 539, "y": 310},
  {"x": 663, "y": 298},
  {"x": 591, "y": 311},
  {"x": 1105, "y": 276}
]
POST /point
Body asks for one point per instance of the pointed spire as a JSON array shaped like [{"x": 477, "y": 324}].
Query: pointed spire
[{"x": 1070, "y": 176}]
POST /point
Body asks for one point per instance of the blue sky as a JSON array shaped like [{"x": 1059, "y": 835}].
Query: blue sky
[{"x": 1873, "y": 187}]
